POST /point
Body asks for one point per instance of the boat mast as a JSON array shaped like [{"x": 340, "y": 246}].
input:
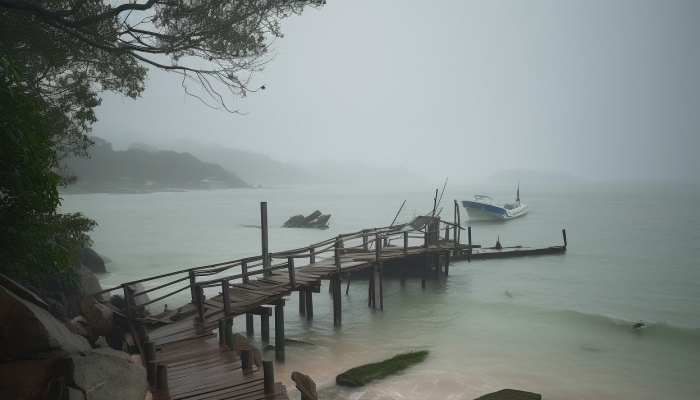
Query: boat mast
[{"x": 517, "y": 195}]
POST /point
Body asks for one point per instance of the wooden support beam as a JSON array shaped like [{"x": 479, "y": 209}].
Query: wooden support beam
[
  {"x": 312, "y": 256},
  {"x": 405, "y": 243},
  {"x": 265, "y": 327},
  {"x": 222, "y": 332},
  {"x": 436, "y": 265},
  {"x": 162, "y": 377},
  {"x": 335, "y": 281},
  {"x": 151, "y": 372},
  {"x": 377, "y": 248},
  {"x": 149, "y": 352},
  {"x": 193, "y": 288},
  {"x": 290, "y": 268},
  {"x": 347, "y": 287},
  {"x": 244, "y": 272},
  {"x": 310, "y": 304},
  {"x": 336, "y": 253},
  {"x": 365, "y": 245},
  {"x": 249, "y": 329},
  {"x": 268, "y": 377},
  {"x": 228, "y": 336},
  {"x": 563, "y": 232},
  {"x": 469, "y": 236},
  {"x": 302, "y": 302},
  {"x": 381, "y": 289},
  {"x": 225, "y": 291},
  {"x": 200, "y": 302},
  {"x": 260, "y": 311},
  {"x": 425, "y": 270},
  {"x": 447, "y": 263},
  {"x": 246, "y": 359},
  {"x": 263, "y": 230},
  {"x": 279, "y": 331},
  {"x": 127, "y": 299}
]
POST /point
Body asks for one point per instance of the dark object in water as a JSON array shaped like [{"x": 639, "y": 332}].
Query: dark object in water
[
  {"x": 639, "y": 325},
  {"x": 314, "y": 220},
  {"x": 359, "y": 376},
  {"x": 510, "y": 394},
  {"x": 498, "y": 243}
]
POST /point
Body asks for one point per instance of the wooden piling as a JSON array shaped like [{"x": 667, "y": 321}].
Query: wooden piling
[
  {"x": 249, "y": 329},
  {"x": 127, "y": 299},
  {"x": 335, "y": 281},
  {"x": 225, "y": 291},
  {"x": 309, "y": 305},
  {"x": 312, "y": 256},
  {"x": 436, "y": 266},
  {"x": 222, "y": 332},
  {"x": 268, "y": 377},
  {"x": 149, "y": 351},
  {"x": 290, "y": 267},
  {"x": 193, "y": 287},
  {"x": 200, "y": 302},
  {"x": 425, "y": 270},
  {"x": 381, "y": 289},
  {"x": 244, "y": 272},
  {"x": 263, "y": 226},
  {"x": 265, "y": 327},
  {"x": 245, "y": 359},
  {"x": 302, "y": 302},
  {"x": 447, "y": 263},
  {"x": 365, "y": 245},
  {"x": 151, "y": 371},
  {"x": 469, "y": 237},
  {"x": 405, "y": 242},
  {"x": 336, "y": 253},
  {"x": 279, "y": 330},
  {"x": 563, "y": 232},
  {"x": 162, "y": 377},
  {"x": 228, "y": 335}
]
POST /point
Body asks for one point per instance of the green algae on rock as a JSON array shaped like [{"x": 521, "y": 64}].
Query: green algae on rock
[{"x": 360, "y": 376}]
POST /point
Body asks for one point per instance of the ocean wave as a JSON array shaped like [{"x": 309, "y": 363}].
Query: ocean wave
[{"x": 654, "y": 329}]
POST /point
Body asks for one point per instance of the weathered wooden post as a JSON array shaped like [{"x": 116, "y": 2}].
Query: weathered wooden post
[
  {"x": 268, "y": 377},
  {"x": 425, "y": 239},
  {"x": 447, "y": 262},
  {"x": 244, "y": 271},
  {"x": 200, "y": 302},
  {"x": 365, "y": 245},
  {"x": 226, "y": 297},
  {"x": 377, "y": 275},
  {"x": 127, "y": 299},
  {"x": 265, "y": 327},
  {"x": 309, "y": 305},
  {"x": 347, "y": 287},
  {"x": 436, "y": 265},
  {"x": 149, "y": 351},
  {"x": 563, "y": 232},
  {"x": 245, "y": 359},
  {"x": 335, "y": 281},
  {"x": 193, "y": 289},
  {"x": 228, "y": 336},
  {"x": 151, "y": 371},
  {"x": 162, "y": 377},
  {"x": 222, "y": 332},
  {"x": 302, "y": 302},
  {"x": 370, "y": 288},
  {"x": 249, "y": 329},
  {"x": 447, "y": 233},
  {"x": 336, "y": 253},
  {"x": 381, "y": 289},
  {"x": 290, "y": 267},
  {"x": 425, "y": 270},
  {"x": 279, "y": 330},
  {"x": 263, "y": 226},
  {"x": 405, "y": 243},
  {"x": 312, "y": 256},
  {"x": 469, "y": 236}
]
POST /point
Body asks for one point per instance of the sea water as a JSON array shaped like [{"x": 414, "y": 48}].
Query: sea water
[{"x": 557, "y": 325}]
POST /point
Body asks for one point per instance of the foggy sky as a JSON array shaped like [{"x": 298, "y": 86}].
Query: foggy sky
[{"x": 606, "y": 90}]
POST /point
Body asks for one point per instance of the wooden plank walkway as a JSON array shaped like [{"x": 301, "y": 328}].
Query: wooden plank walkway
[{"x": 199, "y": 367}]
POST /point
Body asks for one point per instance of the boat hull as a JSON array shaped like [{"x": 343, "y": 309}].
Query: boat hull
[{"x": 481, "y": 211}]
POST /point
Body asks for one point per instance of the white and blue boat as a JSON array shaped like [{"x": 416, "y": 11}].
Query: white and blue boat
[{"x": 482, "y": 209}]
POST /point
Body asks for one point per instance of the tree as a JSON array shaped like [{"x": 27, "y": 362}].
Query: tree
[{"x": 35, "y": 240}]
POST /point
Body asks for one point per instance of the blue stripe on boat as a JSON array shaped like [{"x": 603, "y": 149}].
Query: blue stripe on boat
[{"x": 486, "y": 207}]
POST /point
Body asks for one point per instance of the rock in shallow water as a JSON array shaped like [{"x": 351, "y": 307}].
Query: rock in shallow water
[{"x": 510, "y": 394}]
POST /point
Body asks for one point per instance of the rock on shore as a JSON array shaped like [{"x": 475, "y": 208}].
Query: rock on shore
[
  {"x": 510, "y": 394},
  {"x": 41, "y": 358}
]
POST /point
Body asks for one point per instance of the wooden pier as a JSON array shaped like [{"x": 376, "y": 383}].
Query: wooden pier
[{"x": 186, "y": 359}]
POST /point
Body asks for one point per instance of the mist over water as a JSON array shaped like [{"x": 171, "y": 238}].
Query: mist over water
[{"x": 555, "y": 325}]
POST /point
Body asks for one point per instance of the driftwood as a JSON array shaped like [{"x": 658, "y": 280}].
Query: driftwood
[
  {"x": 306, "y": 386},
  {"x": 314, "y": 220}
]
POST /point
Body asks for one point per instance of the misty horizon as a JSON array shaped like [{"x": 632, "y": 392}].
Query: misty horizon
[{"x": 603, "y": 91}]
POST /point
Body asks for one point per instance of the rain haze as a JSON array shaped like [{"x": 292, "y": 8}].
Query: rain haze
[{"x": 606, "y": 91}]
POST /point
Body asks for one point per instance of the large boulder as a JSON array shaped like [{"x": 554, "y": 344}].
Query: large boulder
[
  {"x": 92, "y": 260},
  {"x": 510, "y": 394},
  {"x": 99, "y": 318},
  {"x": 89, "y": 283},
  {"x": 105, "y": 374},
  {"x": 28, "y": 330},
  {"x": 306, "y": 386}
]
